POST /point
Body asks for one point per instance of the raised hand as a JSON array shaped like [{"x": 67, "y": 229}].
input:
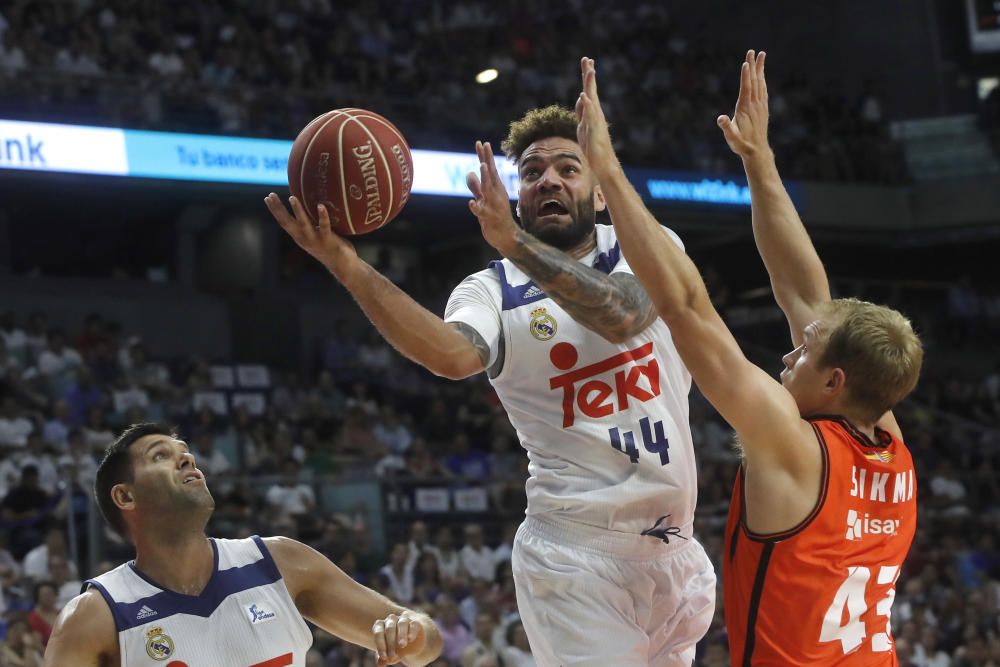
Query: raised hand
[
  {"x": 334, "y": 251},
  {"x": 592, "y": 127},
  {"x": 746, "y": 131},
  {"x": 491, "y": 204}
]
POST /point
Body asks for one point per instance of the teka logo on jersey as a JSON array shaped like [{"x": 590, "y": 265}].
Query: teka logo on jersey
[
  {"x": 596, "y": 398},
  {"x": 859, "y": 525}
]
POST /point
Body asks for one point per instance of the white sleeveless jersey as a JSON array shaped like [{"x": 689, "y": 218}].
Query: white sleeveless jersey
[
  {"x": 244, "y": 617},
  {"x": 605, "y": 425}
]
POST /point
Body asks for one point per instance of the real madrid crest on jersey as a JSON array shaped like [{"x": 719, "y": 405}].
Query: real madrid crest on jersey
[
  {"x": 542, "y": 325},
  {"x": 159, "y": 645}
]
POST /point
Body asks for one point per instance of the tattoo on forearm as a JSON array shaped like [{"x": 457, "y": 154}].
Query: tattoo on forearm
[
  {"x": 614, "y": 306},
  {"x": 477, "y": 341}
]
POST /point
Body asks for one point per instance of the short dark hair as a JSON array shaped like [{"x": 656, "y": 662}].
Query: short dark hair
[
  {"x": 116, "y": 468},
  {"x": 538, "y": 124}
]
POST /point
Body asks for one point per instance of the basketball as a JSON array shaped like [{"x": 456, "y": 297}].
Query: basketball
[{"x": 356, "y": 163}]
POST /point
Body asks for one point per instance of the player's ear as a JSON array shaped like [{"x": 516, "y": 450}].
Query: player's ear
[
  {"x": 836, "y": 381},
  {"x": 599, "y": 203},
  {"x": 121, "y": 496},
  {"x": 517, "y": 214}
]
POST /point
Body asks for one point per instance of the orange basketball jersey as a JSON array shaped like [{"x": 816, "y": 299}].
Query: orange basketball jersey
[{"x": 821, "y": 593}]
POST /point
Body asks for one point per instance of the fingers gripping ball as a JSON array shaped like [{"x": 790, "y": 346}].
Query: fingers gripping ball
[{"x": 356, "y": 163}]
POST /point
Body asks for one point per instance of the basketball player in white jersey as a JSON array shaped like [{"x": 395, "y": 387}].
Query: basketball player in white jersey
[
  {"x": 188, "y": 600},
  {"x": 606, "y": 566}
]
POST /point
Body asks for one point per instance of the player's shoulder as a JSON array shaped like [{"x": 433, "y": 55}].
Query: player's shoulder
[{"x": 86, "y": 622}]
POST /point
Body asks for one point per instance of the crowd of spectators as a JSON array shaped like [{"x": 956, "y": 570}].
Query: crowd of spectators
[
  {"x": 265, "y": 68},
  {"x": 369, "y": 415}
]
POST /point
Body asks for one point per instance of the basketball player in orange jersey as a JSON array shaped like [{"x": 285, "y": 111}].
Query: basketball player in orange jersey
[
  {"x": 824, "y": 506},
  {"x": 188, "y": 600},
  {"x": 606, "y": 566}
]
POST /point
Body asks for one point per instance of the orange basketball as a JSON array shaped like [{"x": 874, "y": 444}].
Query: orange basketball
[{"x": 357, "y": 163}]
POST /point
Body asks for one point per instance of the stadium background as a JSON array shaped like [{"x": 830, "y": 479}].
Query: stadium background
[{"x": 126, "y": 299}]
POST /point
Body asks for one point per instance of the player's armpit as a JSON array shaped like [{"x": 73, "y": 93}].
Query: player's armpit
[{"x": 84, "y": 634}]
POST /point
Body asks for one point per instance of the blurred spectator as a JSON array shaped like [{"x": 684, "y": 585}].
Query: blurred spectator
[
  {"x": 36, "y": 562},
  {"x": 419, "y": 543},
  {"x": 290, "y": 497},
  {"x": 466, "y": 462},
  {"x": 62, "y": 577},
  {"x": 22, "y": 647},
  {"x": 56, "y": 429},
  {"x": 57, "y": 361},
  {"x": 517, "y": 653},
  {"x": 481, "y": 648},
  {"x": 398, "y": 575},
  {"x": 43, "y": 616},
  {"x": 449, "y": 559},
  {"x": 477, "y": 558},
  {"x": 391, "y": 433},
  {"x": 14, "y": 426},
  {"x": 456, "y": 636}
]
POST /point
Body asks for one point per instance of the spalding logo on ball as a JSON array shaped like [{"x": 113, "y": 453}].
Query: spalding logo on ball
[{"x": 356, "y": 163}]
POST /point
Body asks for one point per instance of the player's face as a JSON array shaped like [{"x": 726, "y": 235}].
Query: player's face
[
  {"x": 165, "y": 477},
  {"x": 806, "y": 380},
  {"x": 558, "y": 198}
]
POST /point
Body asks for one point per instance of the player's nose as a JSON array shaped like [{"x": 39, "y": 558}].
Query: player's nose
[
  {"x": 186, "y": 460},
  {"x": 549, "y": 181}
]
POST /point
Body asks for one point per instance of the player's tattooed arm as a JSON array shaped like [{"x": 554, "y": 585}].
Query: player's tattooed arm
[
  {"x": 482, "y": 347},
  {"x": 477, "y": 341},
  {"x": 617, "y": 307}
]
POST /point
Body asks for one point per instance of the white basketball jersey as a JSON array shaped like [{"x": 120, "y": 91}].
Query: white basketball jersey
[
  {"x": 605, "y": 425},
  {"x": 244, "y": 617}
]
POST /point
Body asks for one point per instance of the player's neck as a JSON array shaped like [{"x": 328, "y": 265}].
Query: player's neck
[
  {"x": 182, "y": 564},
  {"x": 862, "y": 424},
  {"x": 583, "y": 248}
]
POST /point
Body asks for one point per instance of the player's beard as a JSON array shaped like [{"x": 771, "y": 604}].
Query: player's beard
[{"x": 565, "y": 237}]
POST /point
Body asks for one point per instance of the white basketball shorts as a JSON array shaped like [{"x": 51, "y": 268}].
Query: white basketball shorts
[{"x": 593, "y": 598}]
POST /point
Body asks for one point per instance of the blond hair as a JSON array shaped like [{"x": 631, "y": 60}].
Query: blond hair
[
  {"x": 878, "y": 351},
  {"x": 537, "y": 124}
]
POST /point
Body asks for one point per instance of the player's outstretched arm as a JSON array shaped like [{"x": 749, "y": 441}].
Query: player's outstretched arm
[
  {"x": 763, "y": 413},
  {"x": 326, "y": 596},
  {"x": 615, "y": 306},
  {"x": 798, "y": 278},
  {"x": 797, "y": 275},
  {"x": 84, "y": 634},
  {"x": 417, "y": 333}
]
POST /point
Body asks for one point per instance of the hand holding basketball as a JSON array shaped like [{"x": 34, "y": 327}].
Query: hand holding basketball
[
  {"x": 319, "y": 240},
  {"x": 491, "y": 205},
  {"x": 746, "y": 131}
]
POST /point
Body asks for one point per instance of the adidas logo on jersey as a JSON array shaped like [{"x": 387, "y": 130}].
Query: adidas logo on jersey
[
  {"x": 858, "y": 526},
  {"x": 532, "y": 292},
  {"x": 145, "y": 612}
]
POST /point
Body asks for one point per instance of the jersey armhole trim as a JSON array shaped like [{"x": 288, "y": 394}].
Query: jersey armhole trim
[
  {"x": 119, "y": 621},
  {"x": 817, "y": 508},
  {"x": 268, "y": 561}
]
